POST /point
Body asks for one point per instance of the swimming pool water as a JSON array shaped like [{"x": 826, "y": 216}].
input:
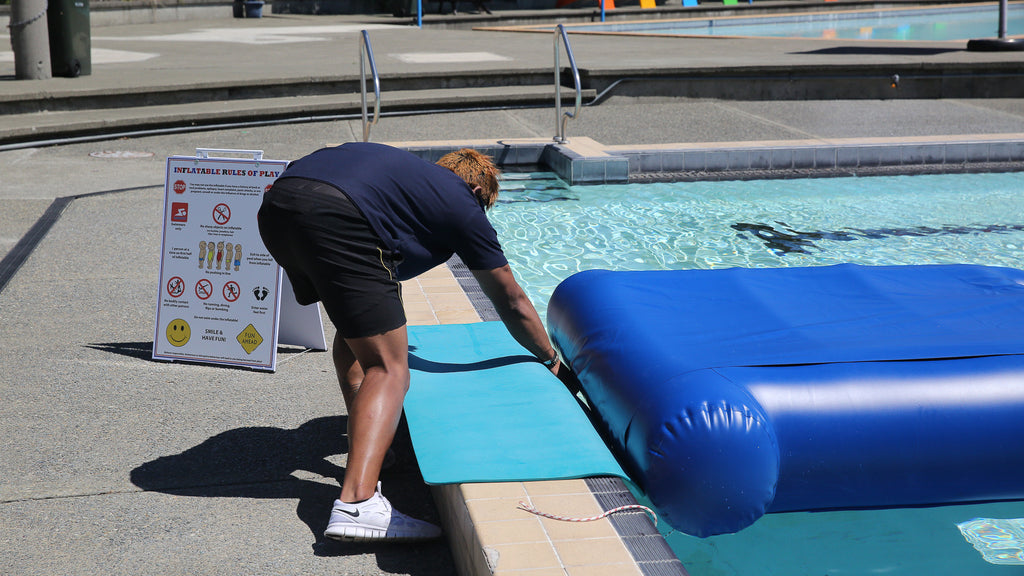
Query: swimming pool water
[
  {"x": 550, "y": 230},
  {"x": 952, "y": 23},
  {"x": 894, "y": 542}
]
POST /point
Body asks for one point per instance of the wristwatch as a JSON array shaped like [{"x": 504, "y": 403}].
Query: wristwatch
[{"x": 549, "y": 364}]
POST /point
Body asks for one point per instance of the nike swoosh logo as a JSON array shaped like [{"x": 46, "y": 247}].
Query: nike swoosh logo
[{"x": 354, "y": 514}]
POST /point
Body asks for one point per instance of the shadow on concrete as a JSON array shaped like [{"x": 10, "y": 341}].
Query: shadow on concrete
[
  {"x": 883, "y": 50},
  {"x": 144, "y": 351},
  {"x": 141, "y": 350},
  {"x": 268, "y": 462}
]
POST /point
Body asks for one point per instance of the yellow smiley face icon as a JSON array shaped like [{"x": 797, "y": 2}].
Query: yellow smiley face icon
[{"x": 178, "y": 332}]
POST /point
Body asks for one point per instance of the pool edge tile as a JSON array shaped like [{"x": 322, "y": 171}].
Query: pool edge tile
[
  {"x": 582, "y": 160},
  {"x": 487, "y": 532}
]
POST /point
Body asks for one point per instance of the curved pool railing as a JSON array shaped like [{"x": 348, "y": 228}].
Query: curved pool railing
[
  {"x": 366, "y": 54},
  {"x": 560, "y": 119}
]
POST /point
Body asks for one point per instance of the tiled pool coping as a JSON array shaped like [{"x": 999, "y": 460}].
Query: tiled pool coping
[{"x": 583, "y": 160}]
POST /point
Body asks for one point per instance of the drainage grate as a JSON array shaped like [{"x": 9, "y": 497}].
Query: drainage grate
[
  {"x": 648, "y": 547},
  {"x": 469, "y": 285}
]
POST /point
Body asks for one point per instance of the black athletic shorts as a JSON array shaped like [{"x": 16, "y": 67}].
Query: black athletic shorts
[{"x": 332, "y": 255}]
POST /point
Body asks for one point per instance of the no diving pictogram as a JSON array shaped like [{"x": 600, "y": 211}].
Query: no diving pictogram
[
  {"x": 221, "y": 213},
  {"x": 175, "y": 287},
  {"x": 231, "y": 291},
  {"x": 204, "y": 289}
]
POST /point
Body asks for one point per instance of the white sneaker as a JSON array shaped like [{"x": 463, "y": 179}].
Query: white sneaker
[{"x": 375, "y": 519}]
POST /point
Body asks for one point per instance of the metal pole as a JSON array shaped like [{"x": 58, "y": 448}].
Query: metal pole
[
  {"x": 1001, "y": 43},
  {"x": 362, "y": 85},
  {"x": 559, "y": 132},
  {"x": 1002, "y": 19},
  {"x": 30, "y": 40},
  {"x": 561, "y": 119},
  {"x": 366, "y": 53}
]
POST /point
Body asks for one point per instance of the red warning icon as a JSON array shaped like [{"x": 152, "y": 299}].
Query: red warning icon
[
  {"x": 231, "y": 291},
  {"x": 179, "y": 187},
  {"x": 175, "y": 287},
  {"x": 204, "y": 289},
  {"x": 221, "y": 213}
]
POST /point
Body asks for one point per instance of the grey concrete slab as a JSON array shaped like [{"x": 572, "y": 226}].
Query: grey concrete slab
[
  {"x": 32, "y": 173},
  {"x": 624, "y": 120},
  {"x": 233, "y": 59},
  {"x": 211, "y": 532},
  {"x": 117, "y": 464},
  {"x": 55, "y": 172},
  {"x": 16, "y": 218},
  {"x": 901, "y": 118}
]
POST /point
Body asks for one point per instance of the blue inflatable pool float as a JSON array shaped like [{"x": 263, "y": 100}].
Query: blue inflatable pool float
[{"x": 734, "y": 393}]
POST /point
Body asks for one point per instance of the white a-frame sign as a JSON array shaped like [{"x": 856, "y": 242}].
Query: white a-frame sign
[{"x": 223, "y": 299}]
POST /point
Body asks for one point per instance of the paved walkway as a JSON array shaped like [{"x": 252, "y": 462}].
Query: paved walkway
[
  {"x": 229, "y": 70},
  {"x": 114, "y": 464}
]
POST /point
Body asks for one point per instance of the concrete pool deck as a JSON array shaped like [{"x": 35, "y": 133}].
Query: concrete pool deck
[
  {"x": 84, "y": 407},
  {"x": 189, "y": 73}
]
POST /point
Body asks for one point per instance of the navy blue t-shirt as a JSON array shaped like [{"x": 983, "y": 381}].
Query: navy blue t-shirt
[{"x": 420, "y": 210}]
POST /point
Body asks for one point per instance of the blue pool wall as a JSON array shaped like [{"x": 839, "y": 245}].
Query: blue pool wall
[{"x": 583, "y": 161}]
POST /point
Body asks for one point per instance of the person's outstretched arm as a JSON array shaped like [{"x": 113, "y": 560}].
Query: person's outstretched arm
[{"x": 517, "y": 312}]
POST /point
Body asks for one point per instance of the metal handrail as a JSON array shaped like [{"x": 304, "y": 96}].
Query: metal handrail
[
  {"x": 366, "y": 53},
  {"x": 1001, "y": 30},
  {"x": 561, "y": 120}
]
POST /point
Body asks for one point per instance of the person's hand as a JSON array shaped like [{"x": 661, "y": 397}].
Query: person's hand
[
  {"x": 556, "y": 367},
  {"x": 567, "y": 376}
]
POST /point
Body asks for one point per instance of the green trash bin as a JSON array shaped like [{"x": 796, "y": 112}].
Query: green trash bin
[{"x": 70, "y": 37}]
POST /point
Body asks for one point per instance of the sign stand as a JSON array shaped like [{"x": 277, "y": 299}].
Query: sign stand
[
  {"x": 300, "y": 325},
  {"x": 223, "y": 299}
]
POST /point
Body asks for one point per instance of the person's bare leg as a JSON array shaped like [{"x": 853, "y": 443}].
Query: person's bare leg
[
  {"x": 375, "y": 407},
  {"x": 350, "y": 373}
]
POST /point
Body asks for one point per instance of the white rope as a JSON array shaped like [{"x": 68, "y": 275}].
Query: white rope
[{"x": 532, "y": 510}]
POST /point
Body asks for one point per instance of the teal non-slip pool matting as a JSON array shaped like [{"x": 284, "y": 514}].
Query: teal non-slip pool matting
[{"x": 481, "y": 409}]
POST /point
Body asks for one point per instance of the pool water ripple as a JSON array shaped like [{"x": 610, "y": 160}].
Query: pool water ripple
[{"x": 550, "y": 230}]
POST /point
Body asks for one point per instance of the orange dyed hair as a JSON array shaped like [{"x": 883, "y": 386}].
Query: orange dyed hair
[{"x": 475, "y": 169}]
